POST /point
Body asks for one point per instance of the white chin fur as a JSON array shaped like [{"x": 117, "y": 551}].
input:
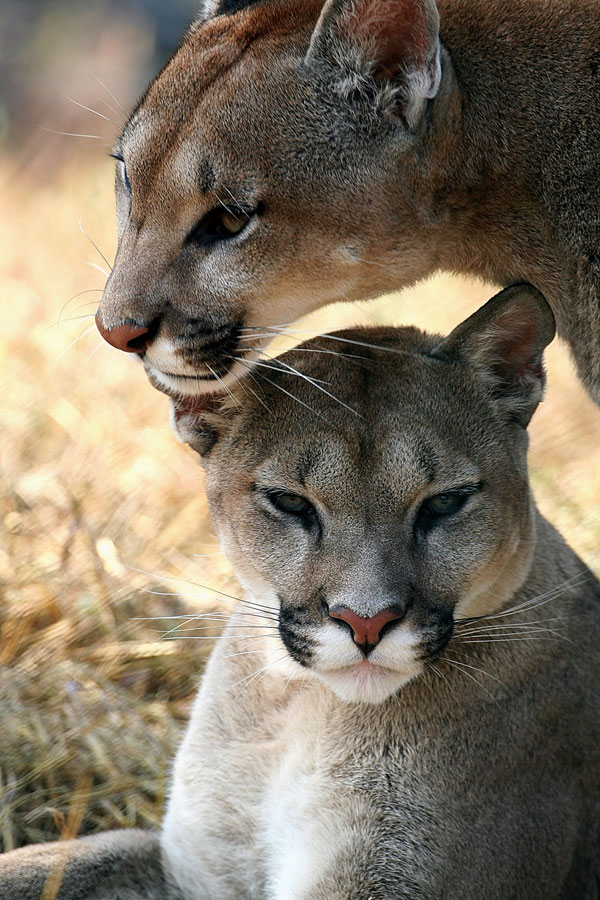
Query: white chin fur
[
  {"x": 365, "y": 683},
  {"x": 192, "y": 387}
]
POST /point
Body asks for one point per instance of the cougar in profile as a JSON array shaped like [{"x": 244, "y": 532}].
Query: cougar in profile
[
  {"x": 405, "y": 702},
  {"x": 293, "y": 152}
]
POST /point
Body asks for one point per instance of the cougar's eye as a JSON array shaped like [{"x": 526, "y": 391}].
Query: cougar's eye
[
  {"x": 123, "y": 170},
  {"x": 292, "y": 504},
  {"x": 220, "y": 224},
  {"x": 443, "y": 505},
  {"x": 233, "y": 223}
]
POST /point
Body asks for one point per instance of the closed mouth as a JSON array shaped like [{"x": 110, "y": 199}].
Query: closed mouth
[{"x": 190, "y": 377}]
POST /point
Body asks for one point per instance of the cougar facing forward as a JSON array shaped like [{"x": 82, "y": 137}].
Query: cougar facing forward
[
  {"x": 405, "y": 702},
  {"x": 294, "y": 152}
]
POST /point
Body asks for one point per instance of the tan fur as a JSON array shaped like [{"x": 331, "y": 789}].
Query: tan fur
[
  {"x": 461, "y": 758},
  {"x": 368, "y": 171}
]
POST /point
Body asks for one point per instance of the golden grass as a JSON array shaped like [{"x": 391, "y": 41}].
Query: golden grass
[{"x": 94, "y": 488}]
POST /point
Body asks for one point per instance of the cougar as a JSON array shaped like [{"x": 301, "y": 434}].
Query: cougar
[
  {"x": 294, "y": 152},
  {"x": 404, "y": 703}
]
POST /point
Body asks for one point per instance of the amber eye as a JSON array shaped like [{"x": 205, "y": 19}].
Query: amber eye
[
  {"x": 232, "y": 223},
  {"x": 221, "y": 224}
]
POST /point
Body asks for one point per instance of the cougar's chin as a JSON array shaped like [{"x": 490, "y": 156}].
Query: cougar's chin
[
  {"x": 193, "y": 385},
  {"x": 365, "y": 682}
]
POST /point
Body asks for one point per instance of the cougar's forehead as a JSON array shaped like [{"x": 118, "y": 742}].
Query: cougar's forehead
[
  {"x": 388, "y": 424},
  {"x": 216, "y": 61}
]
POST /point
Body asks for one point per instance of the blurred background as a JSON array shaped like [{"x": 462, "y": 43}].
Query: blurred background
[{"x": 105, "y": 530}]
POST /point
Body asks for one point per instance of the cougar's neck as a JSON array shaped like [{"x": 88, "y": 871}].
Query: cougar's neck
[{"x": 502, "y": 145}]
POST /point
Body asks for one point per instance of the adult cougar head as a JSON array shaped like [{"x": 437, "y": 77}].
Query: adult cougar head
[
  {"x": 371, "y": 531},
  {"x": 259, "y": 162}
]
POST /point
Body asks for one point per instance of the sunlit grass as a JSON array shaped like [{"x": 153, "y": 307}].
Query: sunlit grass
[{"x": 95, "y": 488}]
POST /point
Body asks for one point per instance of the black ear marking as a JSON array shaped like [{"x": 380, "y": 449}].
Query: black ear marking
[{"x": 213, "y": 8}]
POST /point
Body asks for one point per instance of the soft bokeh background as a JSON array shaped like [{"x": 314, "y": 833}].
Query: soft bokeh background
[{"x": 102, "y": 513}]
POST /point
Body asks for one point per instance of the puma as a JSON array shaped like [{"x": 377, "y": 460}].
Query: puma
[
  {"x": 293, "y": 153},
  {"x": 404, "y": 704}
]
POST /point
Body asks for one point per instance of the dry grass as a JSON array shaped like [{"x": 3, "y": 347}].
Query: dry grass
[{"x": 94, "y": 487}]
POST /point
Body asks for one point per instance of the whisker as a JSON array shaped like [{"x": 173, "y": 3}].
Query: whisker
[
  {"x": 476, "y": 669},
  {"x": 439, "y": 673},
  {"x": 222, "y": 383},
  {"x": 76, "y": 341},
  {"x": 250, "y": 678},
  {"x": 95, "y": 137},
  {"x": 333, "y": 337},
  {"x": 82, "y": 106},
  {"x": 75, "y": 296},
  {"x": 176, "y": 580},
  {"x": 96, "y": 266},
  {"x": 109, "y": 92},
  {"x": 289, "y": 394},
  {"x": 223, "y": 204},
  {"x": 468, "y": 675},
  {"x": 93, "y": 243},
  {"x": 237, "y": 203}
]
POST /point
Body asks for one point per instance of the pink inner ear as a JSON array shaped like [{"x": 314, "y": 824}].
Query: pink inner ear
[
  {"x": 515, "y": 339},
  {"x": 396, "y": 28}
]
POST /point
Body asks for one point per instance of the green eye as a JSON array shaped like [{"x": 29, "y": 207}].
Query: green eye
[
  {"x": 444, "y": 504},
  {"x": 292, "y": 504}
]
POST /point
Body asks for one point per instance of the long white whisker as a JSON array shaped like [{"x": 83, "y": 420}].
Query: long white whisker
[
  {"x": 476, "y": 669},
  {"x": 76, "y": 341},
  {"x": 291, "y": 396},
  {"x": 250, "y": 678},
  {"x": 96, "y": 266},
  {"x": 222, "y": 383},
  {"x": 95, "y": 137},
  {"x": 172, "y": 578},
  {"x": 109, "y": 92},
  {"x": 82, "y": 106},
  {"x": 468, "y": 675},
  {"x": 93, "y": 243},
  {"x": 315, "y": 383}
]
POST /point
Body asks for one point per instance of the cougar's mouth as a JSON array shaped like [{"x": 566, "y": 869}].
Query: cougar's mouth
[{"x": 202, "y": 366}]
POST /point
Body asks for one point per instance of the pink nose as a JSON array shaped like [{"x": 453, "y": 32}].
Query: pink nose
[
  {"x": 128, "y": 337},
  {"x": 366, "y": 632}
]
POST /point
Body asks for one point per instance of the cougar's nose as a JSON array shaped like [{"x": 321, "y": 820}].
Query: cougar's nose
[
  {"x": 366, "y": 632},
  {"x": 130, "y": 336}
]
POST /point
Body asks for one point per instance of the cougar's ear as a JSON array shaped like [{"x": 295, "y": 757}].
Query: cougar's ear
[
  {"x": 201, "y": 421},
  {"x": 211, "y": 8},
  {"x": 504, "y": 342},
  {"x": 394, "y": 41}
]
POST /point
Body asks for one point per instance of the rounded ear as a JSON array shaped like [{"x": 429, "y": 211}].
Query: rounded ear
[
  {"x": 394, "y": 41},
  {"x": 201, "y": 421},
  {"x": 504, "y": 342},
  {"x": 211, "y": 8}
]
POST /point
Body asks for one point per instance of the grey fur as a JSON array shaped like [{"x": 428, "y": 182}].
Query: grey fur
[{"x": 117, "y": 865}]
